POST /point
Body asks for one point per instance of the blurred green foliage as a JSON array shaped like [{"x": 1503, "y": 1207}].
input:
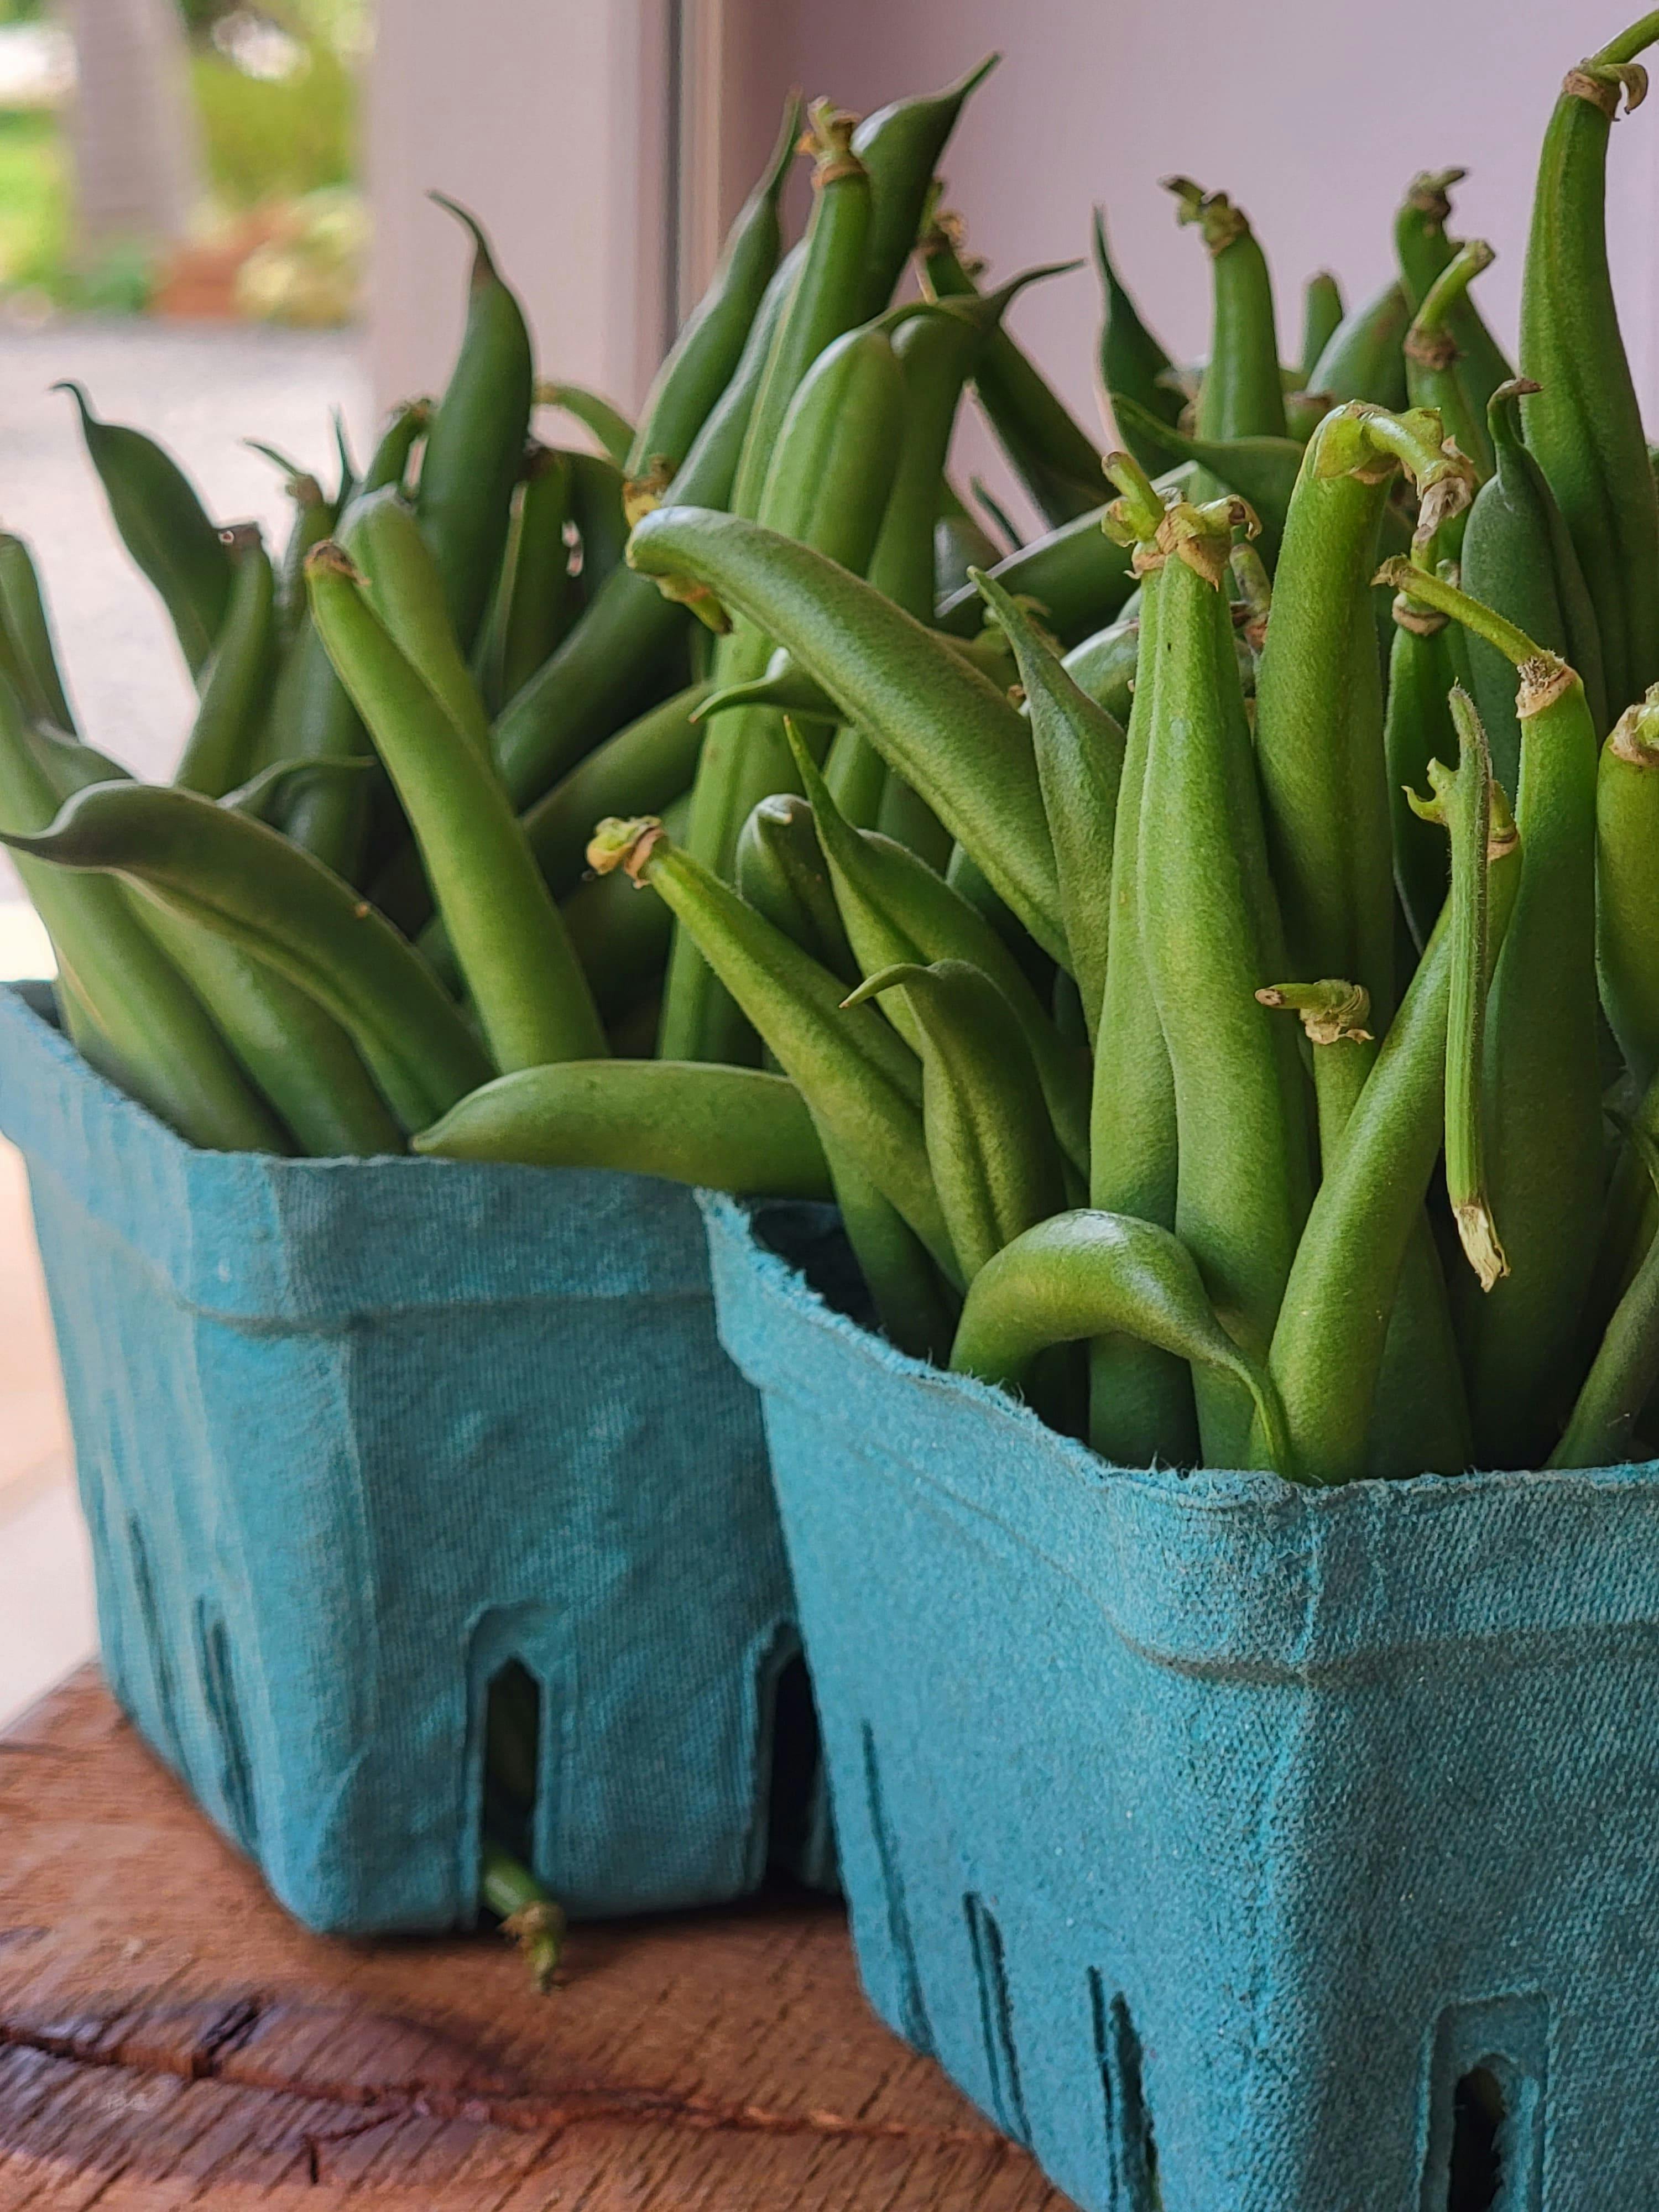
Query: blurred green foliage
[
  {"x": 34, "y": 198},
  {"x": 266, "y": 138}
]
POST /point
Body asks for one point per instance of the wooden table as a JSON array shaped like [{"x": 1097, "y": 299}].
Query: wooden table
[{"x": 167, "y": 2039}]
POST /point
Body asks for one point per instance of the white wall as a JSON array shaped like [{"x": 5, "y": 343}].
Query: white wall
[{"x": 547, "y": 119}]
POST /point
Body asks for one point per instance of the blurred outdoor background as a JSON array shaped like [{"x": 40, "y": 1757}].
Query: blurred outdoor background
[{"x": 213, "y": 216}]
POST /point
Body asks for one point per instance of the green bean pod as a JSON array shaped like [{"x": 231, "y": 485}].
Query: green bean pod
[
  {"x": 532, "y": 1001},
  {"x": 1583, "y": 423},
  {"x": 236, "y": 680},
  {"x": 826, "y": 490},
  {"x": 1052, "y": 454},
  {"x": 1417, "y": 729},
  {"x": 312, "y": 718},
  {"x": 388, "y": 465},
  {"x": 621, "y": 939},
  {"x": 782, "y": 872},
  {"x": 961, "y": 542},
  {"x": 1091, "y": 1274},
  {"x": 1620, "y": 1383},
  {"x": 1242, "y": 394},
  {"x": 1626, "y": 913},
  {"x": 917, "y": 1309},
  {"x": 537, "y": 598},
  {"x": 1132, "y": 364},
  {"x": 1434, "y": 373},
  {"x": 1140, "y": 1394},
  {"x": 314, "y": 516},
  {"x": 1104, "y": 666},
  {"x": 1210, "y": 939},
  {"x": 475, "y": 441},
  {"x": 1424, "y": 252},
  {"x": 1263, "y": 470},
  {"x": 1518, "y": 559},
  {"x": 898, "y": 911},
  {"x": 1079, "y": 757},
  {"x": 861, "y": 1082},
  {"x": 264, "y": 895},
  {"x": 825, "y": 300},
  {"x": 1363, "y": 359},
  {"x": 996, "y": 1159},
  {"x": 703, "y": 358},
  {"x": 948, "y": 732},
  {"x": 900, "y": 146},
  {"x": 598, "y": 497},
  {"x": 611, "y": 429},
  {"x": 1333, "y": 1324},
  {"x": 402, "y": 584},
  {"x": 162, "y": 524},
  {"x": 1319, "y": 722},
  {"x": 27, "y": 628},
  {"x": 733, "y": 1129},
  {"x": 1078, "y": 576},
  {"x": 1543, "y": 1078},
  {"x": 1322, "y": 318}
]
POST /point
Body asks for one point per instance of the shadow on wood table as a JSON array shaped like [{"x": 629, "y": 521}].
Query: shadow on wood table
[{"x": 169, "y": 2039}]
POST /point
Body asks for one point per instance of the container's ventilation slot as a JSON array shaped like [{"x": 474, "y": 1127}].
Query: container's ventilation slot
[
  {"x": 996, "y": 2018},
  {"x": 219, "y": 1695},
  {"x": 1485, "y": 2107},
  {"x": 1477, "y": 2165},
  {"x": 1131, "y": 2145},
  {"x": 787, "y": 1755},
  {"x": 913, "y": 2013},
  {"x": 512, "y": 1735}
]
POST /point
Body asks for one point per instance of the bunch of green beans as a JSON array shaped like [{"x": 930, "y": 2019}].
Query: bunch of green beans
[{"x": 1207, "y": 952}]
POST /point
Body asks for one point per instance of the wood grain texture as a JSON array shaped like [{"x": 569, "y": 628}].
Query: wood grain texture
[{"x": 169, "y": 2039}]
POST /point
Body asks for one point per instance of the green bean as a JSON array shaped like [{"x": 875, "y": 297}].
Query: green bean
[
  {"x": 1323, "y": 778},
  {"x": 531, "y": 998},
  {"x": 1242, "y": 395},
  {"x": 855, "y": 773},
  {"x": 916, "y": 1307},
  {"x": 388, "y": 465},
  {"x": 899, "y": 146},
  {"x": 528, "y": 1913},
  {"x": 1363, "y": 359},
  {"x": 598, "y": 506},
  {"x": 948, "y": 731},
  {"x": 1077, "y": 576},
  {"x": 236, "y": 678},
  {"x": 1100, "y": 1275},
  {"x": 826, "y": 489},
  {"x": 1518, "y": 559},
  {"x": 1210, "y": 939},
  {"x": 1132, "y": 364},
  {"x": 1433, "y": 357},
  {"x": 257, "y": 796},
  {"x": 1054, "y": 458},
  {"x": 1140, "y": 1394},
  {"x": 1627, "y": 923},
  {"x": 401, "y": 583},
  {"x": 277, "y": 902},
  {"x": 1417, "y": 729},
  {"x": 1261, "y": 469},
  {"x": 704, "y": 357},
  {"x": 733, "y": 1127},
  {"x": 637, "y": 771},
  {"x": 1079, "y": 757},
  {"x": 612, "y": 429},
  {"x": 163, "y": 527},
  {"x": 537, "y": 598},
  {"x": 824, "y": 300},
  {"x": 960, "y": 542},
  {"x": 1583, "y": 423},
  {"x": 312, "y": 718},
  {"x": 1322, "y": 318},
  {"x": 996, "y": 1161},
  {"x": 1543, "y": 1078},
  {"x": 1423, "y": 251},
  {"x": 1104, "y": 666},
  {"x": 782, "y": 874},
  {"x": 861, "y": 1080},
  {"x": 1622, "y": 1376},
  {"x": 28, "y": 629},
  {"x": 1327, "y": 1347},
  {"x": 621, "y": 939},
  {"x": 897, "y": 910},
  {"x": 313, "y": 518},
  {"x": 475, "y": 441},
  {"x": 1462, "y": 803}
]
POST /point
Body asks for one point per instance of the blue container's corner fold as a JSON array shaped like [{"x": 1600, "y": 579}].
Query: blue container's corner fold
[
  {"x": 1237, "y": 1847},
  {"x": 353, "y": 1436}
]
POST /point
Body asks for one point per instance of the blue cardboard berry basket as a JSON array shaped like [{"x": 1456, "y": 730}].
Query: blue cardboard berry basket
[
  {"x": 353, "y": 1437},
  {"x": 1237, "y": 1847}
]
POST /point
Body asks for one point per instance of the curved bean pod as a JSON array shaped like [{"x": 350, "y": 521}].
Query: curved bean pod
[
  {"x": 1620, "y": 1383},
  {"x": 782, "y": 872},
  {"x": 537, "y": 598},
  {"x": 28, "y": 630},
  {"x": 1322, "y": 318},
  {"x": 1424, "y": 252},
  {"x": 402, "y": 583},
  {"x": 235, "y": 679},
  {"x": 1132, "y": 364},
  {"x": 1626, "y": 847},
  {"x": 1434, "y": 375},
  {"x": 899, "y": 146},
  {"x": 1363, "y": 359},
  {"x": 1242, "y": 394},
  {"x": 638, "y": 771},
  {"x": 1261, "y": 470},
  {"x": 608, "y": 425}
]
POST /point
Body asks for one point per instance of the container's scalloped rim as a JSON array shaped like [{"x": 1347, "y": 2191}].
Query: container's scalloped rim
[{"x": 1207, "y": 1491}]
